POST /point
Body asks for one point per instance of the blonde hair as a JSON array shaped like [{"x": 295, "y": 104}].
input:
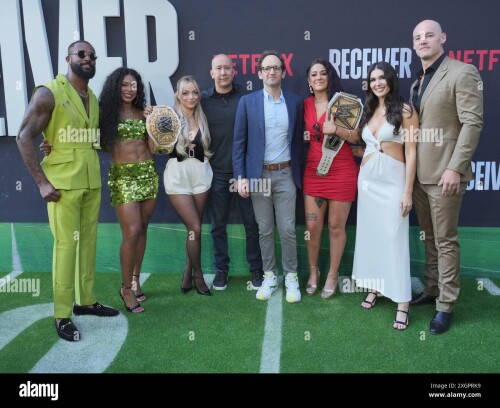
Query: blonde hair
[{"x": 199, "y": 117}]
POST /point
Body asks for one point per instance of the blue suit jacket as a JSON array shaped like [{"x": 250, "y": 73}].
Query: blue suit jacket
[{"x": 250, "y": 138}]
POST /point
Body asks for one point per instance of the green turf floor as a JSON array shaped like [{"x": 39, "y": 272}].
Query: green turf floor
[
  {"x": 165, "y": 250},
  {"x": 224, "y": 333}
]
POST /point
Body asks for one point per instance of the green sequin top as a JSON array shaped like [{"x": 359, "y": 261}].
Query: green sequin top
[{"x": 131, "y": 129}]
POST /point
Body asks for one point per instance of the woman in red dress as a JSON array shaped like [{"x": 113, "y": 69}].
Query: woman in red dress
[{"x": 337, "y": 190}]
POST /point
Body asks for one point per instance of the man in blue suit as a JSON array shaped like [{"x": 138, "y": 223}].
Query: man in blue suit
[{"x": 267, "y": 162}]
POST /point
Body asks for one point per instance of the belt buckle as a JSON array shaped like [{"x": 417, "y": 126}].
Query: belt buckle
[{"x": 191, "y": 153}]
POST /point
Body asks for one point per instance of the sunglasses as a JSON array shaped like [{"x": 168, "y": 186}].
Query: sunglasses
[
  {"x": 317, "y": 136},
  {"x": 82, "y": 54}
]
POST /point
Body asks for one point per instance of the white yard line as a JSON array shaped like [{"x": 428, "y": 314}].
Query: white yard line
[
  {"x": 271, "y": 345},
  {"x": 489, "y": 286},
  {"x": 17, "y": 268}
]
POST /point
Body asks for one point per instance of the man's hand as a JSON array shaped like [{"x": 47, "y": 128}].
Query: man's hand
[
  {"x": 45, "y": 147},
  {"x": 243, "y": 189},
  {"x": 48, "y": 192},
  {"x": 450, "y": 180}
]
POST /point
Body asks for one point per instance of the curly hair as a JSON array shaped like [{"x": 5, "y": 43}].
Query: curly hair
[
  {"x": 199, "y": 117},
  {"x": 334, "y": 84},
  {"x": 394, "y": 102},
  {"x": 110, "y": 103}
]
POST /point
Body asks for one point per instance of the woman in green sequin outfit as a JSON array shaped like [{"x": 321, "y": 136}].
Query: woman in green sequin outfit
[{"x": 133, "y": 181}]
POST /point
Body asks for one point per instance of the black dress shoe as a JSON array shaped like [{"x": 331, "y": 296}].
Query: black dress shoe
[
  {"x": 67, "y": 330},
  {"x": 96, "y": 309},
  {"x": 423, "y": 299},
  {"x": 440, "y": 322}
]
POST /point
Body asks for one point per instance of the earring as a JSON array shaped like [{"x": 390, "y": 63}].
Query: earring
[{"x": 311, "y": 89}]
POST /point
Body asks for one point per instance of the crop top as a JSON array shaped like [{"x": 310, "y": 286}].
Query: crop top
[
  {"x": 131, "y": 129},
  {"x": 198, "y": 152},
  {"x": 385, "y": 134}
]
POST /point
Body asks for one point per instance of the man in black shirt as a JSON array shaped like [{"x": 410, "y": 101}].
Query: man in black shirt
[{"x": 219, "y": 104}]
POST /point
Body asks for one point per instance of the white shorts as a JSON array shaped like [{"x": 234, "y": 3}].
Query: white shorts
[{"x": 189, "y": 176}]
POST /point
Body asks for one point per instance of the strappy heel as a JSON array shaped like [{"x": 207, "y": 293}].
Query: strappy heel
[
  {"x": 141, "y": 297},
  {"x": 370, "y": 302},
  {"x": 396, "y": 321},
  {"x": 132, "y": 309},
  {"x": 310, "y": 288},
  {"x": 329, "y": 293}
]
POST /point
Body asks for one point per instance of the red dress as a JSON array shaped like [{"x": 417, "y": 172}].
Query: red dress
[{"x": 341, "y": 181}]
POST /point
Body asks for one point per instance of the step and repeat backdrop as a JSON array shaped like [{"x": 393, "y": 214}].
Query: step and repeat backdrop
[{"x": 165, "y": 40}]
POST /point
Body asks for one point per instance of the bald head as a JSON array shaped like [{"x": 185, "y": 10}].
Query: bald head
[
  {"x": 428, "y": 40},
  {"x": 428, "y": 25},
  {"x": 222, "y": 73}
]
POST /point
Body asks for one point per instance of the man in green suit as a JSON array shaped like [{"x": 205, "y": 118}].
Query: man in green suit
[
  {"x": 69, "y": 179},
  {"x": 448, "y": 97}
]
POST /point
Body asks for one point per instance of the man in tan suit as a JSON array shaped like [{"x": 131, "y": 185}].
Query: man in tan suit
[{"x": 449, "y": 100}]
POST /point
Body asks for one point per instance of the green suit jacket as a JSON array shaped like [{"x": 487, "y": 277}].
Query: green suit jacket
[{"x": 73, "y": 162}]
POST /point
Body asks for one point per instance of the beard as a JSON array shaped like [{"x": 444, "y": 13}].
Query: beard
[{"x": 78, "y": 71}]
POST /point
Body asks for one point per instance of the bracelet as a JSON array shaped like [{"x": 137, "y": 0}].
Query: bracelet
[{"x": 350, "y": 134}]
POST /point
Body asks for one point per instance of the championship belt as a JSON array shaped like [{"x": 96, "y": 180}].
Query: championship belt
[
  {"x": 347, "y": 110},
  {"x": 164, "y": 127}
]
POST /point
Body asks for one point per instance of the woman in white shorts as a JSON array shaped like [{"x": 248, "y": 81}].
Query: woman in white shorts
[{"x": 188, "y": 177}]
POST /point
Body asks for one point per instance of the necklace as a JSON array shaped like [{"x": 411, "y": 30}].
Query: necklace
[{"x": 84, "y": 96}]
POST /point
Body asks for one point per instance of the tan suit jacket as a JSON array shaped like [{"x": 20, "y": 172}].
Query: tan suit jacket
[{"x": 451, "y": 119}]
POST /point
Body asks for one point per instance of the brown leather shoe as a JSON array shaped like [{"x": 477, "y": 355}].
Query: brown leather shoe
[{"x": 423, "y": 299}]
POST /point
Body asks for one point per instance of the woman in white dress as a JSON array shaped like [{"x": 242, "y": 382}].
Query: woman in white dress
[{"x": 385, "y": 185}]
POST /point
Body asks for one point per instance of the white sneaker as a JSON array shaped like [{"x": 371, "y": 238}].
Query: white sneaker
[
  {"x": 269, "y": 285},
  {"x": 292, "y": 288}
]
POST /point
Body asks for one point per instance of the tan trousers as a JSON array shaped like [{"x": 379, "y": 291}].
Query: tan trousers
[{"x": 438, "y": 218}]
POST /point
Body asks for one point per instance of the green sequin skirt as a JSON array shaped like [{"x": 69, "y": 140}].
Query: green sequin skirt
[{"x": 132, "y": 182}]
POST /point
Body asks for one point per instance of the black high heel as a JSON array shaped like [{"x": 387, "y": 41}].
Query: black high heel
[
  {"x": 132, "y": 309},
  {"x": 205, "y": 292},
  {"x": 183, "y": 289},
  {"x": 141, "y": 297}
]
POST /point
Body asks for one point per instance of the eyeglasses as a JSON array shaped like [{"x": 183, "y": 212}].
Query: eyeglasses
[
  {"x": 82, "y": 54},
  {"x": 267, "y": 70},
  {"x": 317, "y": 136}
]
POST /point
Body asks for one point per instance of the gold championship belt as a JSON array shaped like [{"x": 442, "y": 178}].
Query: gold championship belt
[
  {"x": 163, "y": 126},
  {"x": 347, "y": 110}
]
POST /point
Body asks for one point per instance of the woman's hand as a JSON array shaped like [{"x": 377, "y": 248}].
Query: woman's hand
[
  {"x": 147, "y": 111},
  {"x": 406, "y": 204},
  {"x": 329, "y": 127}
]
